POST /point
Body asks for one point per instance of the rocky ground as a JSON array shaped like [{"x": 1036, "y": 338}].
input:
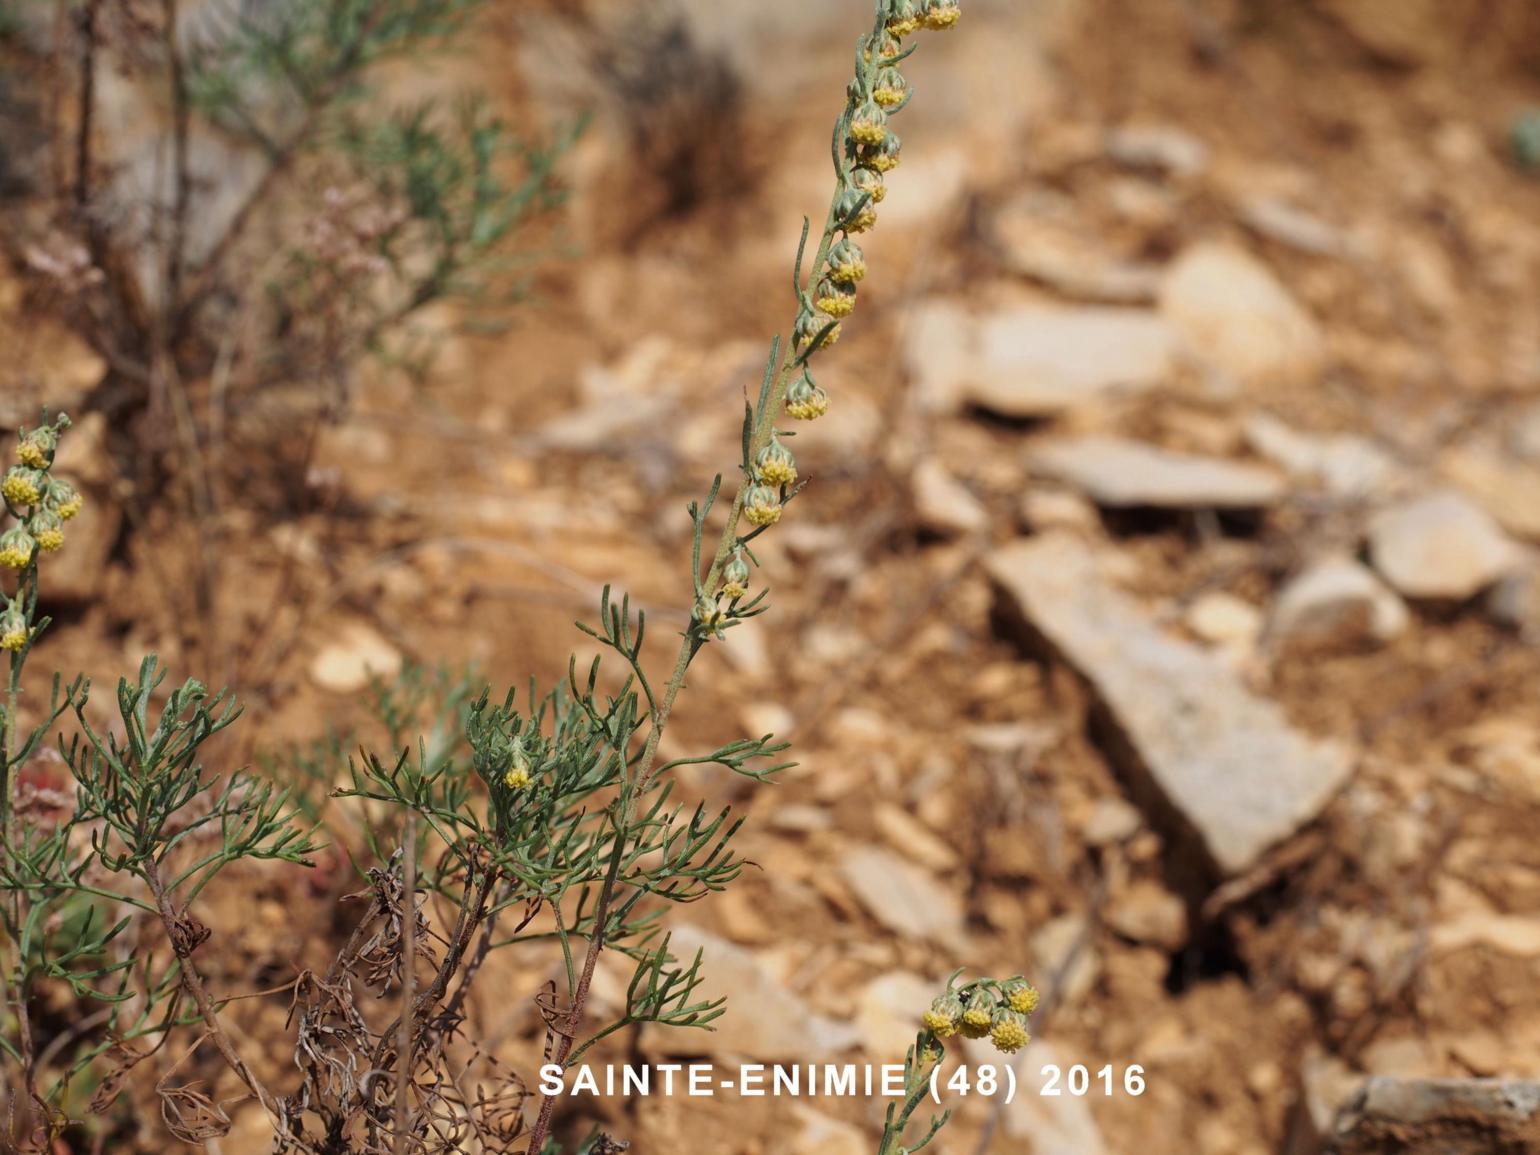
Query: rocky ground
[{"x": 1160, "y": 621}]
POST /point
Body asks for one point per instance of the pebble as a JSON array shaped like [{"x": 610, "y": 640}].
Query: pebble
[
  {"x": 1237, "y": 318},
  {"x": 1334, "y": 604},
  {"x": 1123, "y": 474},
  {"x": 356, "y": 654},
  {"x": 900, "y": 895},
  {"x": 1441, "y": 546},
  {"x": 1191, "y": 737}
]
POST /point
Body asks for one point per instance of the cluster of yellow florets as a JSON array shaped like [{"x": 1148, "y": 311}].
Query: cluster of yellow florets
[
  {"x": 985, "y": 1009},
  {"x": 14, "y": 630},
  {"x": 40, "y": 502}
]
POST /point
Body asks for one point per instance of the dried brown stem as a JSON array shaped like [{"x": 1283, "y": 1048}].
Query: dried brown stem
[{"x": 192, "y": 983}]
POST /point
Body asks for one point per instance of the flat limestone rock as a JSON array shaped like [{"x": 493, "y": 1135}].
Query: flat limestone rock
[
  {"x": 1447, "y": 1116},
  {"x": 1122, "y": 474},
  {"x": 1202, "y": 754},
  {"x": 900, "y": 895},
  {"x": 1042, "y": 360},
  {"x": 1035, "y": 361}
]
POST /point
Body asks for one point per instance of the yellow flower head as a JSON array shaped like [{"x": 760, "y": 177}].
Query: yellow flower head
[
  {"x": 903, "y": 17},
  {"x": 847, "y": 263},
  {"x": 890, "y": 89},
  {"x": 884, "y": 157},
  {"x": 854, "y": 212},
  {"x": 23, "y": 485},
  {"x": 735, "y": 576},
  {"x": 762, "y": 505},
  {"x": 17, "y": 547},
  {"x": 13, "y": 628},
  {"x": 976, "y": 1022},
  {"x": 517, "y": 777},
  {"x": 62, "y": 498},
  {"x": 35, "y": 449},
  {"x": 709, "y": 613},
  {"x": 870, "y": 182},
  {"x": 48, "y": 529},
  {"x": 888, "y": 48},
  {"x": 938, "y": 1024},
  {"x": 835, "y": 299},
  {"x": 1009, "y": 1033},
  {"x": 775, "y": 465},
  {"x": 941, "y": 1019},
  {"x": 805, "y": 400},
  {"x": 809, "y": 326},
  {"x": 869, "y": 125},
  {"x": 940, "y": 15},
  {"x": 1023, "y": 999}
]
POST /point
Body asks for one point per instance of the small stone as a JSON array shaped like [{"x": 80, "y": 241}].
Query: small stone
[
  {"x": 1347, "y": 466},
  {"x": 1035, "y": 361},
  {"x": 1190, "y": 737},
  {"x": 798, "y": 819},
  {"x": 1038, "y": 361},
  {"x": 1045, "y": 509},
  {"x": 1447, "y": 1116},
  {"x": 1112, "y": 820},
  {"x": 907, "y": 835},
  {"x": 1440, "y": 547},
  {"x": 1149, "y": 913},
  {"x": 1162, "y": 148},
  {"x": 1514, "y": 602},
  {"x": 938, "y": 351},
  {"x": 901, "y": 896},
  {"x": 1336, "y": 604},
  {"x": 763, "y": 1019},
  {"x": 1223, "y": 619},
  {"x": 355, "y": 655},
  {"x": 1239, "y": 320},
  {"x": 1280, "y": 221},
  {"x": 1507, "y": 489},
  {"x": 1123, "y": 474},
  {"x": 943, "y": 504}
]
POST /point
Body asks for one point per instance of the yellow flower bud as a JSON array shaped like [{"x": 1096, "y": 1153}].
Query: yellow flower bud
[
  {"x": 869, "y": 125},
  {"x": 1009, "y": 1033},
  {"x": 904, "y": 17},
  {"x": 735, "y": 577},
  {"x": 890, "y": 89},
  {"x": 23, "y": 485},
  {"x": 805, "y": 400},
  {"x": 1023, "y": 999},
  {"x": 940, "y": 15},
  {"x": 775, "y": 464},
  {"x": 48, "y": 529},
  {"x": 13, "y": 628},
  {"x": 976, "y": 1022},
  {"x": 762, "y": 505},
  {"x": 835, "y": 299},
  {"x": 847, "y": 263},
  {"x": 17, "y": 547}
]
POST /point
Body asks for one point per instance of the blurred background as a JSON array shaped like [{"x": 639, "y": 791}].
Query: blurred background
[{"x": 1159, "y": 622}]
